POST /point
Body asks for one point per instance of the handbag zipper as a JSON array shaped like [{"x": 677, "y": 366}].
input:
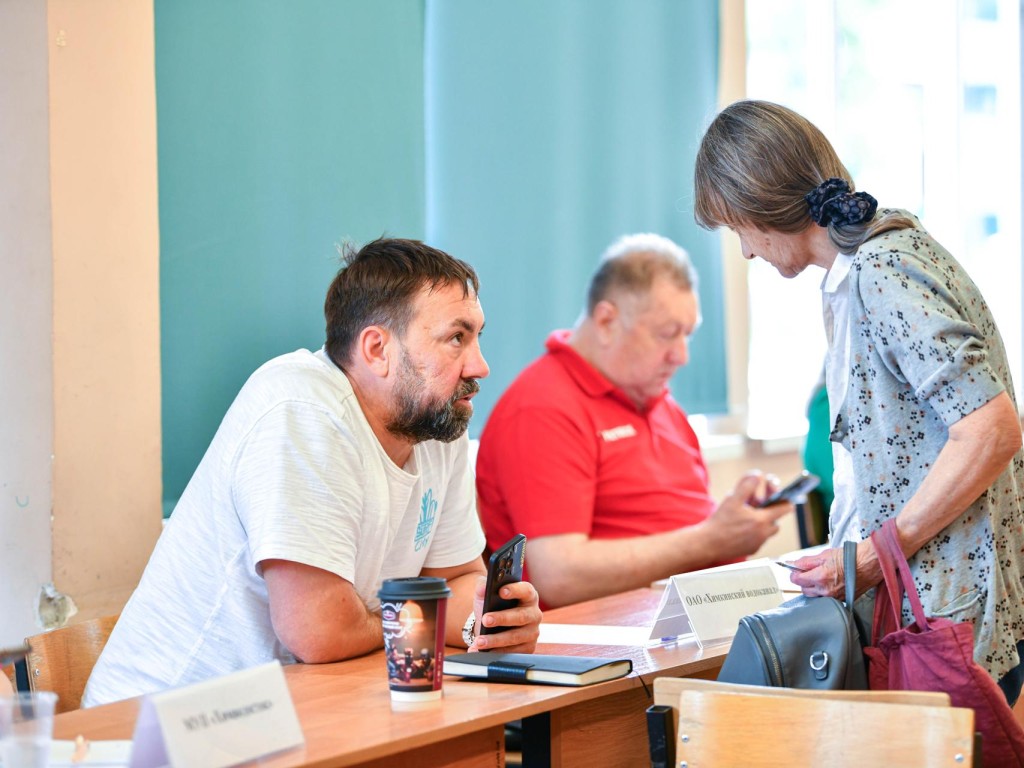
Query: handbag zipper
[{"x": 764, "y": 640}]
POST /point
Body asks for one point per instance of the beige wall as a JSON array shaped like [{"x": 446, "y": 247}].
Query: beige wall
[
  {"x": 732, "y": 85},
  {"x": 106, "y": 342}
]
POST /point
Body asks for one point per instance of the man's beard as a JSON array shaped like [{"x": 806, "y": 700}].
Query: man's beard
[{"x": 444, "y": 421}]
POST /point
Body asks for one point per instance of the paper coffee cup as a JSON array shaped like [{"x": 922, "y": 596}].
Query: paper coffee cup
[{"x": 413, "y": 616}]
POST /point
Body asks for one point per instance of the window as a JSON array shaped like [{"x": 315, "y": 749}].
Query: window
[{"x": 922, "y": 101}]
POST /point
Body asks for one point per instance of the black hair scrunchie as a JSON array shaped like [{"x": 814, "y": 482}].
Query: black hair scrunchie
[{"x": 831, "y": 202}]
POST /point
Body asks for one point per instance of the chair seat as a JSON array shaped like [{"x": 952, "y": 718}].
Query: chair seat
[{"x": 784, "y": 726}]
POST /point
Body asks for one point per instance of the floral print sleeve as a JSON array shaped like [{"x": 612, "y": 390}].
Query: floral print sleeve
[{"x": 918, "y": 308}]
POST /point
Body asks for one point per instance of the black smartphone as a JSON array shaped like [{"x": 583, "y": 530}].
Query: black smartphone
[
  {"x": 804, "y": 483},
  {"x": 504, "y": 567}
]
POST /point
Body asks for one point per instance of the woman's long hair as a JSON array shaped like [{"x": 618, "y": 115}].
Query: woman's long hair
[{"x": 756, "y": 163}]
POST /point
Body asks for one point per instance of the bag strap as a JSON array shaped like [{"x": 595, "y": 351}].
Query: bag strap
[
  {"x": 888, "y": 594},
  {"x": 850, "y": 572},
  {"x": 897, "y": 577},
  {"x": 904, "y": 572}
]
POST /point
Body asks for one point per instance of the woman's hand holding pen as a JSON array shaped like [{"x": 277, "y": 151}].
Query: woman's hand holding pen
[{"x": 822, "y": 574}]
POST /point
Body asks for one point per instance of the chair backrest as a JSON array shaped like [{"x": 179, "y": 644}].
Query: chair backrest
[
  {"x": 782, "y": 726},
  {"x": 667, "y": 690},
  {"x": 61, "y": 660}
]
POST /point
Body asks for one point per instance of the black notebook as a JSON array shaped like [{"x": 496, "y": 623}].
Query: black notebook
[{"x": 536, "y": 668}]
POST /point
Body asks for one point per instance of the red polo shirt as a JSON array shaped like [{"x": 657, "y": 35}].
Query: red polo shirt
[{"x": 565, "y": 451}]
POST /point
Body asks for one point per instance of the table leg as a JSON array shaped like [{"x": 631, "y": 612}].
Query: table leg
[{"x": 537, "y": 741}]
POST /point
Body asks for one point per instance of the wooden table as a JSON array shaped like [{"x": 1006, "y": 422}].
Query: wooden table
[{"x": 348, "y": 719}]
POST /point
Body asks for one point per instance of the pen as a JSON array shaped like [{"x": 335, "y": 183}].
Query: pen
[{"x": 788, "y": 565}]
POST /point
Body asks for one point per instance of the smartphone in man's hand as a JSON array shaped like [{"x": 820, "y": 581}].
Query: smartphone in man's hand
[
  {"x": 504, "y": 567},
  {"x": 798, "y": 488}
]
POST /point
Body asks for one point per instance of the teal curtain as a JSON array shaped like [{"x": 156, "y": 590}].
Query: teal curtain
[
  {"x": 520, "y": 136},
  {"x": 283, "y": 128},
  {"x": 553, "y": 128}
]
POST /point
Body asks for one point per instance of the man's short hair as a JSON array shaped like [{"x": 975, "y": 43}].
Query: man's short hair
[
  {"x": 377, "y": 285},
  {"x": 631, "y": 264}
]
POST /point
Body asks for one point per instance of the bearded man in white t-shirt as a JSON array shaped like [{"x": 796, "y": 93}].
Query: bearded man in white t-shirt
[{"x": 331, "y": 471}]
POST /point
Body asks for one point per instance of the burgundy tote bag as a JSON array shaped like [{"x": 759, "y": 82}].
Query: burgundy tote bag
[{"x": 935, "y": 654}]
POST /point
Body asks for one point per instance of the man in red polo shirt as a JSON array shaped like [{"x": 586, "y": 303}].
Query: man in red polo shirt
[{"x": 588, "y": 454}]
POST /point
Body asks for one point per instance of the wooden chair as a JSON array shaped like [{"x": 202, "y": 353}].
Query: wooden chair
[
  {"x": 755, "y": 726},
  {"x": 61, "y": 660}
]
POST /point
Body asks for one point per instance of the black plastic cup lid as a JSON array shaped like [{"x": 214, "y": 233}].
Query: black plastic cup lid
[{"x": 414, "y": 588}]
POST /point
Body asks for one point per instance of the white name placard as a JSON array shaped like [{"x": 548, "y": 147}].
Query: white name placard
[
  {"x": 710, "y": 603},
  {"x": 218, "y": 722}
]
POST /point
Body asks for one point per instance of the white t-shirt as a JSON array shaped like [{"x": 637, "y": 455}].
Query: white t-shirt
[
  {"x": 835, "y": 296},
  {"x": 293, "y": 473}
]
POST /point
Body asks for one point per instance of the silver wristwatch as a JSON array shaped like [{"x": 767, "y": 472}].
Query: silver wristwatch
[{"x": 469, "y": 630}]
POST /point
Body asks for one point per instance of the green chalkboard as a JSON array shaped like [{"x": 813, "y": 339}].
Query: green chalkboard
[
  {"x": 555, "y": 128},
  {"x": 283, "y": 127},
  {"x": 522, "y": 137}
]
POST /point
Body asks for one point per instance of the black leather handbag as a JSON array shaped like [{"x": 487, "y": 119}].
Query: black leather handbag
[{"x": 807, "y": 642}]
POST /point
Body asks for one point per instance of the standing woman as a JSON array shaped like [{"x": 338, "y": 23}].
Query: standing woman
[{"x": 924, "y": 424}]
